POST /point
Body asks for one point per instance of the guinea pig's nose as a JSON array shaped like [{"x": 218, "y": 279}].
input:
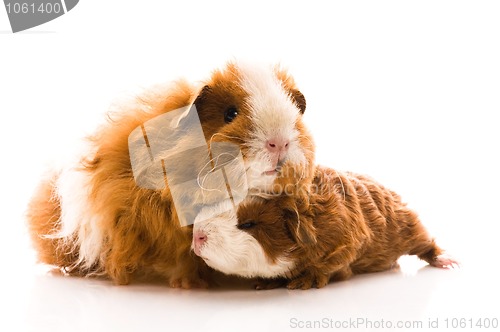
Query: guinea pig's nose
[
  {"x": 199, "y": 238},
  {"x": 277, "y": 145}
]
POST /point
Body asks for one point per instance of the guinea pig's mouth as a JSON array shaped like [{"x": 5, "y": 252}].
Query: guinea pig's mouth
[
  {"x": 198, "y": 253},
  {"x": 276, "y": 169}
]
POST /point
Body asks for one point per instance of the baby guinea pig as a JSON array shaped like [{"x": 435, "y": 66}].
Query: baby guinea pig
[
  {"x": 347, "y": 224},
  {"x": 91, "y": 217}
]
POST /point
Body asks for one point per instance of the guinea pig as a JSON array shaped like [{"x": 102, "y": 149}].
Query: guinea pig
[
  {"x": 91, "y": 217},
  {"x": 344, "y": 224}
]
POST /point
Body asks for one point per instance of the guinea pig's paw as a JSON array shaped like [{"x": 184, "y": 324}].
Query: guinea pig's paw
[
  {"x": 445, "y": 261},
  {"x": 300, "y": 283},
  {"x": 308, "y": 280},
  {"x": 341, "y": 275},
  {"x": 264, "y": 284},
  {"x": 188, "y": 283}
]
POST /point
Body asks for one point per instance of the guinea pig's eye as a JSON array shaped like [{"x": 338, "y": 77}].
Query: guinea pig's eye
[
  {"x": 247, "y": 225},
  {"x": 230, "y": 114}
]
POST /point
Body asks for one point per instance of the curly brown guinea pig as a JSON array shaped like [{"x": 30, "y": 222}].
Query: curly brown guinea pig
[
  {"x": 92, "y": 217},
  {"x": 344, "y": 224}
]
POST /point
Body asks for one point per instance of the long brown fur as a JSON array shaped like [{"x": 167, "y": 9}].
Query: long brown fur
[
  {"x": 346, "y": 224},
  {"x": 140, "y": 226}
]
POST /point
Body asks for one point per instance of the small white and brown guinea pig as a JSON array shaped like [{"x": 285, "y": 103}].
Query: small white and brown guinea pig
[
  {"x": 344, "y": 224},
  {"x": 91, "y": 217}
]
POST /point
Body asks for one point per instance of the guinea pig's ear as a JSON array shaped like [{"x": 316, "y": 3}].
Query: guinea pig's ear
[
  {"x": 299, "y": 100},
  {"x": 202, "y": 96},
  {"x": 301, "y": 227},
  {"x": 290, "y": 86}
]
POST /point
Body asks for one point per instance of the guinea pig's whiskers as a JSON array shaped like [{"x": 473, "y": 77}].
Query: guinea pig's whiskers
[
  {"x": 341, "y": 183},
  {"x": 224, "y": 135},
  {"x": 298, "y": 219},
  {"x": 200, "y": 184},
  {"x": 302, "y": 173},
  {"x": 215, "y": 163},
  {"x": 261, "y": 194}
]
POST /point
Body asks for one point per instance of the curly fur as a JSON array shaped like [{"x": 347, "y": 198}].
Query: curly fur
[{"x": 345, "y": 224}]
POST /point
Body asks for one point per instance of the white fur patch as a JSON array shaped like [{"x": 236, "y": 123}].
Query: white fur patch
[
  {"x": 274, "y": 115},
  {"x": 233, "y": 251},
  {"x": 78, "y": 221}
]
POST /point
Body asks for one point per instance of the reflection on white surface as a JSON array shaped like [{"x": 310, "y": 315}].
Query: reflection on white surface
[{"x": 49, "y": 301}]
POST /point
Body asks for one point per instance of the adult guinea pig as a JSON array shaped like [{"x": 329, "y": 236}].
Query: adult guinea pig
[
  {"x": 91, "y": 218},
  {"x": 345, "y": 224}
]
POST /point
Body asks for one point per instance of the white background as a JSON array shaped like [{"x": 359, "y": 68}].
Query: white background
[{"x": 408, "y": 92}]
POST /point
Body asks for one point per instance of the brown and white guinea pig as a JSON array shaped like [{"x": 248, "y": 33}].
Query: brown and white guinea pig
[
  {"x": 91, "y": 218},
  {"x": 348, "y": 224}
]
